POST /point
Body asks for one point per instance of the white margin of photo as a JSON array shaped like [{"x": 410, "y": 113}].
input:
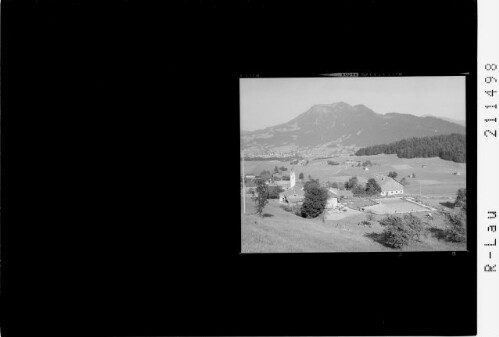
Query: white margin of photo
[{"x": 488, "y": 165}]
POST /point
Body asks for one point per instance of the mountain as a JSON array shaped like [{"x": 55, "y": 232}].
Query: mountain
[
  {"x": 346, "y": 125},
  {"x": 457, "y": 121}
]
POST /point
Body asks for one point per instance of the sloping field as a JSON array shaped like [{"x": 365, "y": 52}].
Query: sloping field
[
  {"x": 281, "y": 231},
  {"x": 434, "y": 174}
]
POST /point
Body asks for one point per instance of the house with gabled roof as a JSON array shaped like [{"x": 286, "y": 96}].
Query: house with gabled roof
[
  {"x": 293, "y": 195},
  {"x": 389, "y": 186}
]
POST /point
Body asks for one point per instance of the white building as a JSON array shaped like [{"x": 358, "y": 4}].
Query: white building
[
  {"x": 332, "y": 202},
  {"x": 389, "y": 186},
  {"x": 292, "y": 178}
]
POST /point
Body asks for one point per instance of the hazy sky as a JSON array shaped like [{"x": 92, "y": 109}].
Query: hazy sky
[{"x": 270, "y": 101}]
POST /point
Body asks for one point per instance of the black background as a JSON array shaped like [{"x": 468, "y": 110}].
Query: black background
[{"x": 120, "y": 154}]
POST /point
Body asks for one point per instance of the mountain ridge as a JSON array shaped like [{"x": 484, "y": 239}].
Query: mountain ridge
[{"x": 342, "y": 124}]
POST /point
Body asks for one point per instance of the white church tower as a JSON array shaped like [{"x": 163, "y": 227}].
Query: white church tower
[{"x": 292, "y": 178}]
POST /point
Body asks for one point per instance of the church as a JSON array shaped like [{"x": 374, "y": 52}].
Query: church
[{"x": 294, "y": 194}]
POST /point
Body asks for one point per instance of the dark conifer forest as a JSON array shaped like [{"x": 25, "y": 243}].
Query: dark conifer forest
[{"x": 448, "y": 147}]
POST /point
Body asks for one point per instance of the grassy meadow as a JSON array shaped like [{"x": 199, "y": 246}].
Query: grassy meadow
[
  {"x": 281, "y": 231},
  {"x": 435, "y": 178}
]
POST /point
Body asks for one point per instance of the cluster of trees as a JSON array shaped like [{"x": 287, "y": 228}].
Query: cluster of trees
[
  {"x": 315, "y": 199},
  {"x": 260, "y": 197},
  {"x": 351, "y": 183},
  {"x": 313, "y": 205},
  {"x": 461, "y": 199},
  {"x": 456, "y": 231},
  {"x": 404, "y": 182},
  {"x": 334, "y": 185},
  {"x": 369, "y": 189},
  {"x": 265, "y": 174},
  {"x": 262, "y": 193},
  {"x": 447, "y": 147},
  {"x": 273, "y": 192},
  {"x": 399, "y": 231},
  {"x": 282, "y": 169}
]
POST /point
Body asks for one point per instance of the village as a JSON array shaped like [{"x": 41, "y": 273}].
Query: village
[
  {"x": 341, "y": 202},
  {"x": 424, "y": 188}
]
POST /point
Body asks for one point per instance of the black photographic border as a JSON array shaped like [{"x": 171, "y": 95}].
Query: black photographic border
[{"x": 116, "y": 117}]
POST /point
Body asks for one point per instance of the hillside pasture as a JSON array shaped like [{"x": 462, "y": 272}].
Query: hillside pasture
[
  {"x": 281, "y": 231},
  {"x": 434, "y": 174}
]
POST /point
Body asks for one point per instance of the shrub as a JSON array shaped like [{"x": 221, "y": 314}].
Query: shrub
[
  {"x": 359, "y": 191},
  {"x": 273, "y": 192},
  {"x": 369, "y": 216},
  {"x": 399, "y": 231},
  {"x": 461, "y": 198},
  {"x": 414, "y": 226},
  {"x": 372, "y": 187},
  {"x": 331, "y": 162},
  {"x": 311, "y": 183},
  {"x": 456, "y": 232},
  {"x": 351, "y": 183},
  {"x": 265, "y": 175},
  {"x": 285, "y": 178},
  {"x": 395, "y": 234},
  {"x": 315, "y": 200},
  {"x": 404, "y": 182},
  {"x": 261, "y": 196},
  {"x": 365, "y": 223},
  {"x": 392, "y": 174},
  {"x": 292, "y": 209},
  {"x": 282, "y": 168}
]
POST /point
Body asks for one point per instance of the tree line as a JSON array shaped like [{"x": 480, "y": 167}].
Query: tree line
[{"x": 447, "y": 147}]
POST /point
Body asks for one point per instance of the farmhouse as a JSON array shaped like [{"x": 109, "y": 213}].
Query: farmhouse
[
  {"x": 389, "y": 186},
  {"x": 294, "y": 195},
  {"x": 351, "y": 162},
  {"x": 283, "y": 183},
  {"x": 332, "y": 201}
]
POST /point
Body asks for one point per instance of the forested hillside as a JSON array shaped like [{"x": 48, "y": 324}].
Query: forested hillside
[{"x": 448, "y": 147}]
